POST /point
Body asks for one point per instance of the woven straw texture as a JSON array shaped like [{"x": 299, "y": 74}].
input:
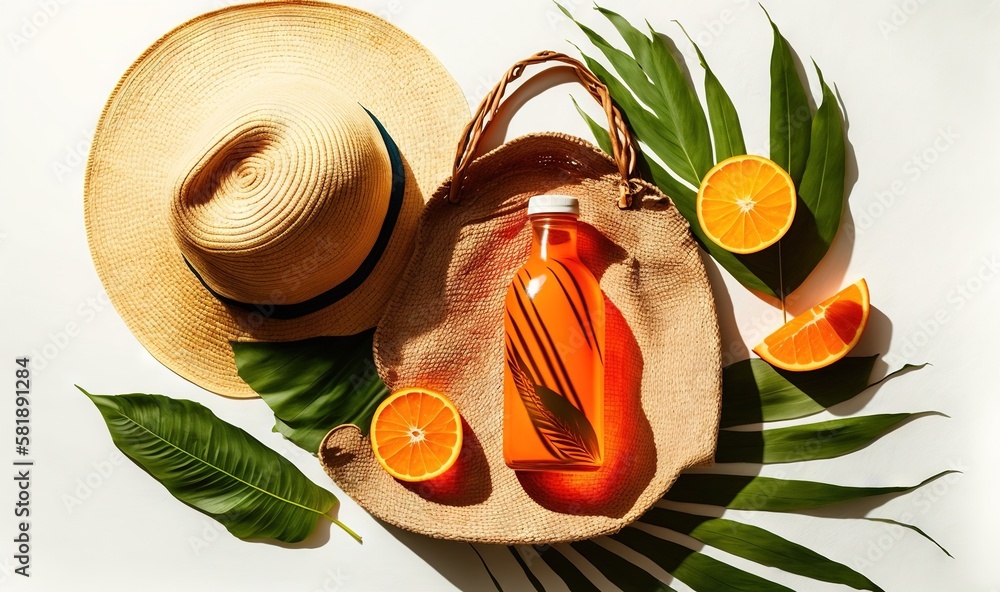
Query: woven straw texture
[
  {"x": 443, "y": 330},
  {"x": 258, "y": 79}
]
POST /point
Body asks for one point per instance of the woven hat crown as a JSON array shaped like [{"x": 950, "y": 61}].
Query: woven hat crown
[{"x": 284, "y": 192}]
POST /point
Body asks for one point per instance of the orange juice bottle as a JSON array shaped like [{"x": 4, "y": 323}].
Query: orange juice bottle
[{"x": 553, "y": 417}]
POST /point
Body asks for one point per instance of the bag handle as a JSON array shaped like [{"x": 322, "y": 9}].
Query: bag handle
[{"x": 622, "y": 144}]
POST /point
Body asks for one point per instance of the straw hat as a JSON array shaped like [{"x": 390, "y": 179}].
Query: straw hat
[
  {"x": 257, "y": 174},
  {"x": 443, "y": 330}
]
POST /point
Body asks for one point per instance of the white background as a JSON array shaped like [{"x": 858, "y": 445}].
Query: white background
[{"x": 919, "y": 81}]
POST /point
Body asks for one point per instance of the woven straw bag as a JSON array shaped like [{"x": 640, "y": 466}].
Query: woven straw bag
[{"x": 443, "y": 330}]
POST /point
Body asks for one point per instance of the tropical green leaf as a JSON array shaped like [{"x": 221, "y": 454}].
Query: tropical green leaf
[
  {"x": 682, "y": 117},
  {"x": 701, "y": 572},
  {"x": 821, "y": 191},
  {"x": 748, "y": 269},
  {"x": 754, "y": 391},
  {"x": 758, "y": 271},
  {"x": 825, "y": 439},
  {"x": 630, "y": 70},
  {"x": 216, "y": 467},
  {"x": 628, "y": 576},
  {"x": 790, "y": 112},
  {"x": 600, "y": 134},
  {"x": 726, "y": 131},
  {"x": 913, "y": 528},
  {"x": 313, "y": 385},
  {"x": 645, "y": 127},
  {"x": 636, "y": 40},
  {"x": 768, "y": 494},
  {"x": 681, "y": 131},
  {"x": 758, "y": 545}
]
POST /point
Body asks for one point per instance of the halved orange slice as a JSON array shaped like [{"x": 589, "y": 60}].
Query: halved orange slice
[
  {"x": 416, "y": 434},
  {"x": 821, "y": 335},
  {"x": 746, "y": 203}
]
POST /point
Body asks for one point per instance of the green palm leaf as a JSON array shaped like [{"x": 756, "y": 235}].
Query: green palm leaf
[
  {"x": 768, "y": 494},
  {"x": 726, "y": 131},
  {"x": 754, "y": 391},
  {"x": 313, "y": 385},
  {"x": 758, "y": 545},
  {"x": 682, "y": 132},
  {"x": 701, "y": 572},
  {"x": 815, "y": 441},
  {"x": 821, "y": 192},
  {"x": 790, "y": 112},
  {"x": 635, "y": 39},
  {"x": 215, "y": 467},
  {"x": 665, "y": 115},
  {"x": 619, "y": 571}
]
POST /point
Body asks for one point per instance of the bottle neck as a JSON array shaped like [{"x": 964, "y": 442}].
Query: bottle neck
[{"x": 553, "y": 236}]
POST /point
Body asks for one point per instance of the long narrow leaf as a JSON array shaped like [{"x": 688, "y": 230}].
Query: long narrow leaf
[
  {"x": 682, "y": 118},
  {"x": 913, "y": 528},
  {"x": 821, "y": 191},
  {"x": 790, "y": 112},
  {"x": 754, "y": 391},
  {"x": 768, "y": 494},
  {"x": 758, "y": 271},
  {"x": 727, "y": 135},
  {"x": 621, "y": 572},
  {"x": 630, "y": 71},
  {"x": 758, "y": 545},
  {"x": 636, "y": 40},
  {"x": 215, "y": 467},
  {"x": 315, "y": 384},
  {"x": 701, "y": 572},
  {"x": 683, "y": 199},
  {"x": 642, "y": 121},
  {"x": 679, "y": 119},
  {"x": 825, "y": 439},
  {"x": 600, "y": 134}
]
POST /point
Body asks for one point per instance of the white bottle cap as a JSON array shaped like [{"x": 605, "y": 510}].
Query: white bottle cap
[{"x": 553, "y": 204}]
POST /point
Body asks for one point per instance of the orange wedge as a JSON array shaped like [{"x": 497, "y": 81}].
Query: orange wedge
[
  {"x": 746, "y": 203},
  {"x": 416, "y": 434},
  {"x": 821, "y": 335}
]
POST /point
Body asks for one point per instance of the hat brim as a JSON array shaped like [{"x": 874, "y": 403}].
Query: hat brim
[{"x": 172, "y": 89}]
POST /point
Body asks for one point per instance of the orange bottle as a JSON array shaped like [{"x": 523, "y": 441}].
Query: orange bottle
[{"x": 554, "y": 350}]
